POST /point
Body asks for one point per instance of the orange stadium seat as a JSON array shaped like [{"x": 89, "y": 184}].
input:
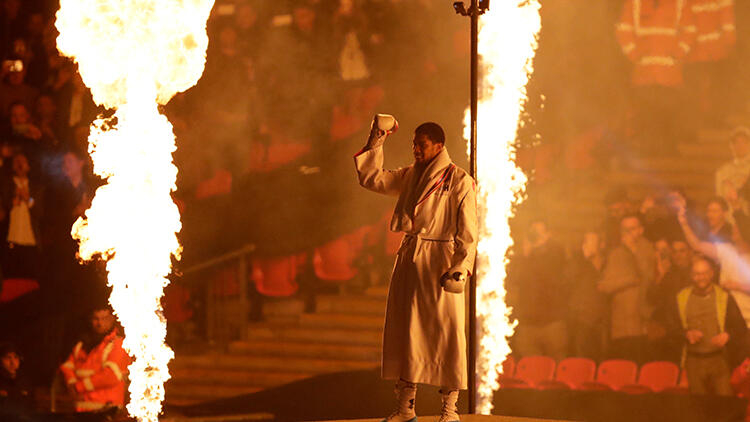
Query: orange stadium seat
[
  {"x": 13, "y": 288},
  {"x": 612, "y": 375},
  {"x": 334, "y": 261},
  {"x": 276, "y": 276},
  {"x": 682, "y": 385},
  {"x": 530, "y": 371},
  {"x": 571, "y": 374}
]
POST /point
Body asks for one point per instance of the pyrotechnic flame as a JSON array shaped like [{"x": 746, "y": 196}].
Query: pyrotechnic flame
[
  {"x": 507, "y": 44},
  {"x": 134, "y": 55}
]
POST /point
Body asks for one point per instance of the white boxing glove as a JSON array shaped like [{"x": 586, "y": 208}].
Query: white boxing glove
[{"x": 382, "y": 126}]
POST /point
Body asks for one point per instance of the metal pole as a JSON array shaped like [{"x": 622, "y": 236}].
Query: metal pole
[{"x": 474, "y": 14}]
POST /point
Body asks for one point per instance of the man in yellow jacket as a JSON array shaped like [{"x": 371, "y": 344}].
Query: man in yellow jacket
[{"x": 712, "y": 329}]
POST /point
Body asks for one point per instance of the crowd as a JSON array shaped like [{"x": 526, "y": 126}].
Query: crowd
[{"x": 660, "y": 279}]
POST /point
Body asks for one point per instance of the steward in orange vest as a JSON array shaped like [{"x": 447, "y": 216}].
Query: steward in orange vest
[
  {"x": 656, "y": 35},
  {"x": 95, "y": 371},
  {"x": 715, "y": 31}
]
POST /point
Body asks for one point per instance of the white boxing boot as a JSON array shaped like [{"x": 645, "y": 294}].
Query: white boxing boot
[
  {"x": 406, "y": 394},
  {"x": 449, "y": 413}
]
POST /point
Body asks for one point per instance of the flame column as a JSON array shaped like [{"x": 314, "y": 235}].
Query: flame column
[
  {"x": 135, "y": 55},
  {"x": 506, "y": 40}
]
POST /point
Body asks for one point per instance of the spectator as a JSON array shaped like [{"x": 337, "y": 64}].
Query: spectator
[
  {"x": 95, "y": 371},
  {"x": 732, "y": 176},
  {"x": 15, "y": 388},
  {"x": 74, "y": 103},
  {"x": 46, "y": 118},
  {"x": 618, "y": 205},
  {"x": 541, "y": 329},
  {"x": 734, "y": 260},
  {"x": 588, "y": 306},
  {"x": 717, "y": 229},
  {"x": 628, "y": 275},
  {"x": 712, "y": 329},
  {"x": 11, "y": 26},
  {"x": 14, "y": 87},
  {"x": 22, "y": 206},
  {"x": 24, "y": 136}
]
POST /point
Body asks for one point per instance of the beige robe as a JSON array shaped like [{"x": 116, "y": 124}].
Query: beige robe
[{"x": 424, "y": 339}]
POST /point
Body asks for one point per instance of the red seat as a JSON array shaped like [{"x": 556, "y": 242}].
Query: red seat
[
  {"x": 659, "y": 375},
  {"x": 571, "y": 374},
  {"x": 276, "y": 276},
  {"x": 612, "y": 375},
  {"x": 530, "y": 371},
  {"x": 682, "y": 385},
  {"x": 334, "y": 261},
  {"x": 13, "y": 288}
]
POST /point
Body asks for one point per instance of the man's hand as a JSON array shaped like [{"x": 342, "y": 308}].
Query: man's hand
[
  {"x": 382, "y": 126},
  {"x": 693, "y": 336},
  {"x": 720, "y": 340},
  {"x": 453, "y": 283}
]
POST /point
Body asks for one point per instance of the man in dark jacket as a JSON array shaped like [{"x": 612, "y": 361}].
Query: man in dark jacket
[
  {"x": 539, "y": 290},
  {"x": 713, "y": 331}
]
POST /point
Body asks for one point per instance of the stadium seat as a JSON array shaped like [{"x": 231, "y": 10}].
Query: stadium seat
[
  {"x": 530, "y": 370},
  {"x": 612, "y": 375},
  {"x": 276, "y": 276},
  {"x": 571, "y": 374},
  {"x": 659, "y": 375},
  {"x": 334, "y": 261},
  {"x": 13, "y": 288}
]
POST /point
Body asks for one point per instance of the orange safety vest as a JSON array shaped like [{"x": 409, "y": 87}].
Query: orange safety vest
[
  {"x": 656, "y": 36},
  {"x": 99, "y": 374},
  {"x": 715, "y": 30}
]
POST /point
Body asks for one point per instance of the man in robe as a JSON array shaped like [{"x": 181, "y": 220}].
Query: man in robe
[{"x": 424, "y": 339}]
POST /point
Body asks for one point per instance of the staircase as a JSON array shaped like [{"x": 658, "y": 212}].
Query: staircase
[{"x": 343, "y": 334}]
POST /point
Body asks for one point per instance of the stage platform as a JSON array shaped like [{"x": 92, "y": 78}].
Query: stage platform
[{"x": 256, "y": 417}]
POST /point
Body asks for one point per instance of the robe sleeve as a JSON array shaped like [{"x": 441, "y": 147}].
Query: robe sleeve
[
  {"x": 372, "y": 175},
  {"x": 466, "y": 229}
]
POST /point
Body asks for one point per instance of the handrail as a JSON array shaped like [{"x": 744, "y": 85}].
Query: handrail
[{"x": 221, "y": 259}]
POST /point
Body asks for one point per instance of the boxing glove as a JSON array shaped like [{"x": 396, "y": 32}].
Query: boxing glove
[
  {"x": 453, "y": 282},
  {"x": 382, "y": 126}
]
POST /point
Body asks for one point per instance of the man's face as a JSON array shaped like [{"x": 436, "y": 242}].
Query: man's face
[
  {"x": 72, "y": 166},
  {"x": 741, "y": 146},
  {"x": 45, "y": 106},
  {"x": 703, "y": 275},
  {"x": 631, "y": 229},
  {"x": 617, "y": 210},
  {"x": 11, "y": 362},
  {"x": 102, "y": 321},
  {"x": 591, "y": 244},
  {"x": 681, "y": 254},
  {"x": 19, "y": 115},
  {"x": 715, "y": 214},
  {"x": 20, "y": 165},
  {"x": 424, "y": 149}
]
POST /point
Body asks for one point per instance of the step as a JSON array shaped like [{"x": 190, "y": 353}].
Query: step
[
  {"x": 377, "y": 291},
  {"x": 680, "y": 164},
  {"x": 282, "y": 307},
  {"x": 306, "y": 349},
  {"x": 270, "y": 363},
  {"x": 368, "y": 337},
  {"x": 337, "y": 320},
  {"x": 359, "y": 304},
  {"x": 200, "y": 393},
  {"x": 213, "y": 376},
  {"x": 707, "y": 151}
]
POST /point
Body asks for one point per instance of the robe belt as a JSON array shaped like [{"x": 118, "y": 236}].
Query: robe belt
[{"x": 419, "y": 238}]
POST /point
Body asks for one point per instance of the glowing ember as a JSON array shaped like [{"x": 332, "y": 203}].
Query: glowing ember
[
  {"x": 135, "y": 55},
  {"x": 507, "y": 44}
]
